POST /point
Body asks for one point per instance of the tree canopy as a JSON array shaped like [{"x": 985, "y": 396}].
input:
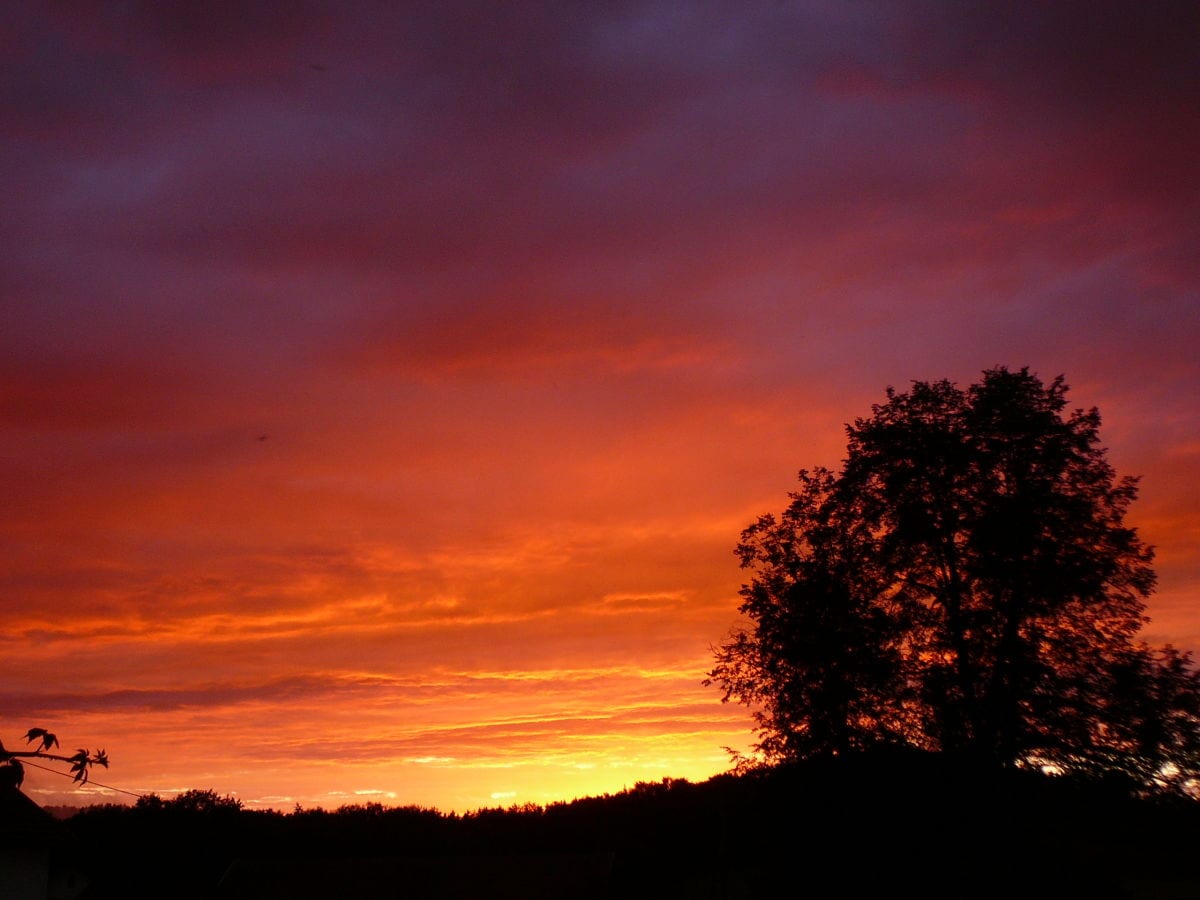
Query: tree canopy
[{"x": 967, "y": 583}]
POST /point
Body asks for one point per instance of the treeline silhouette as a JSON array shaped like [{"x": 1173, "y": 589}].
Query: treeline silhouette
[{"x": 857, "y": 825}]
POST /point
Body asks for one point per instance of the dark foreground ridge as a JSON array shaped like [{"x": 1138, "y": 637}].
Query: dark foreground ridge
[{"x": 868, "y": 825}]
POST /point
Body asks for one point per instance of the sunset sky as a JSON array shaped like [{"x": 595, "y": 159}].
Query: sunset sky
[{"x": 382, "y": 392}]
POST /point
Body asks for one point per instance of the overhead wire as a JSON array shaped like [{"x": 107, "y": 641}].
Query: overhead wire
[{"x": 90, "y": 782}]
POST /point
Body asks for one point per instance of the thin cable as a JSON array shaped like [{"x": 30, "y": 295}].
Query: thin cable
[{"x": 107, "y": 787}]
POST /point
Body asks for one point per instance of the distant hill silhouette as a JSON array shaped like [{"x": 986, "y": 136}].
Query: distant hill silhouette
[{"x": 848, "y": 826}]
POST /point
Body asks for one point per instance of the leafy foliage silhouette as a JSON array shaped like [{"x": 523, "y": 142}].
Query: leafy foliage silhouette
[
  {"x": 12, "y": 772},
  {"x": 966, "y": 584}
]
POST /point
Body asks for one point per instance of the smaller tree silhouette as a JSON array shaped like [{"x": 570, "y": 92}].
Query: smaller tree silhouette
[
  {"x": 12, "y": 772},
  {"x": 189, "y": 802}
]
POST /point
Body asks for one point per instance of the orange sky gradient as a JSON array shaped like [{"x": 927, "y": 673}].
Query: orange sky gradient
[{"x": 382, "y": 393}]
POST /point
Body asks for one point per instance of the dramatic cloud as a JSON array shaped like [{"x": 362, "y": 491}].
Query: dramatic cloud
[{"x": 382, "y": 391}]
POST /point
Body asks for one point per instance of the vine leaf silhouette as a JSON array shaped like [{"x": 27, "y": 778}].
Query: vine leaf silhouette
[
  {"x": 47, "y": 738},
  {"x": 12, "y": 773}
]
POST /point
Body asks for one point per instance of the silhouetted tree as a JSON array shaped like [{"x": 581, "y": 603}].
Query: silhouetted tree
[
  {"x": 823, "y": 665},
  {"x": 194, "y": 801},
  {"x": 967, "y": 583},
  {"x": 1150, "y": 732}
]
